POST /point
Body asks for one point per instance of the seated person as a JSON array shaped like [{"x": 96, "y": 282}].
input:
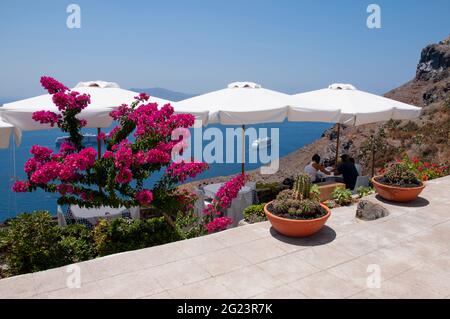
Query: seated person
[
  {"x": 348, "y": 171},
  {"x": 314, "y": 169},
  {"x": 357, "y": 166}
]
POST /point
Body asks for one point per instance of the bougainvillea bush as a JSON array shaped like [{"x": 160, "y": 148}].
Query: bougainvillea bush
[
  {"x": 140, "y": 145},
  {"x": 214, "y": 212}
]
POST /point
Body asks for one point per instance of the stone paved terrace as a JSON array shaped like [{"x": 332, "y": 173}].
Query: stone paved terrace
[{"x": 411, "y": 246}]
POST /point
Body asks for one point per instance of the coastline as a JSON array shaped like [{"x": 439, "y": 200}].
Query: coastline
[{"x": 289, "y": 165}]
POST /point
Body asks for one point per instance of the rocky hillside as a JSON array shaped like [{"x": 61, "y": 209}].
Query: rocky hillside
[{"x": 427, "y": 137}]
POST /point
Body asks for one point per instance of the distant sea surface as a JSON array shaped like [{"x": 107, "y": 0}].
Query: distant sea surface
[{"x": 292, "y": 137}]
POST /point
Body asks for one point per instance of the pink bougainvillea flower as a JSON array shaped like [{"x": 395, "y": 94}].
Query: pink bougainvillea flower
[
  {"x": 224, "y": 196},
  {"x": 41, "y": 153},
  {"x": 108, "y": 154},
  {"x": 218, "y": 224},
  {"x": 119, "y": 112},
  {"x": 156, "y": 156},
  {"x": 67, "y": 147},
  {"x": 124, "y": 176},
  {"x": 51, "y": 85},
  {"x": 114, "y": 131},
  {"x": 144, "y": 197},
  {"x": 123, "y": 155},
  {"x": 64, "y": 189},
  {"x": 182, "y": 170},
  {"x": 31, "y": 165},
  {"x": 46, "y": 117},
  {"x": 142, "y": 97},
  {"x": 20, "y": 187},
  {"x": 101, "y": 136},
  {"x": 46, "y": 173}
]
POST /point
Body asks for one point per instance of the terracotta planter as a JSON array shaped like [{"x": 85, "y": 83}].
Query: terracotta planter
[
  {"x": 295, "y": 227},
  {"x": 397, "y": 194}
]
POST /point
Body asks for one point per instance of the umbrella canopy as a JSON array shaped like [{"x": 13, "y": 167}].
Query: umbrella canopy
[
  {"x": 357, "y": 107},
  {"x": 105, "y": 96},
  {"x": 244, "y": 103},
  {"x": 5, "y": 134}
]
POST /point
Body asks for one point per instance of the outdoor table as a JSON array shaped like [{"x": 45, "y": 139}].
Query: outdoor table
[
  {"x": 327, "y": 188},
  {"x": 333, "y": 178},
  {"x": 244, "y": 199},
  {"x": 93, "y": 215}
]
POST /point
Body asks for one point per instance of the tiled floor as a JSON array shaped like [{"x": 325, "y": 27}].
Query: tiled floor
[{"x": 405, "y": 255}]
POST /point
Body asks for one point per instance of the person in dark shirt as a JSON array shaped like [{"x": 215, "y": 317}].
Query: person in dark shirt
[{"x": 348, "y": 171}]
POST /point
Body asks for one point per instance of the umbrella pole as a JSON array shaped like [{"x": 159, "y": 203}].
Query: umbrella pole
[
  {"x": 243, "y": 149},
  {"x": 99, "y": 143},
  {"x": 337, "y": 142},
  {"x": 373, "y": 160},
  {"x": 99, "y": 150}
]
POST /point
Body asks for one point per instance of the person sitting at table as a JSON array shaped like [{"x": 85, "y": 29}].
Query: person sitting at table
[
  {"x": 348, "y": 171},
  {"x": 315, "y": 170},
  {"x": 357, "y": 166}
]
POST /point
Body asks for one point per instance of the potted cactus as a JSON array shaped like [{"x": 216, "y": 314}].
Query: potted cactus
[
  {"x": 398, "y": 184},
  {"x": 297, "y": 212}
]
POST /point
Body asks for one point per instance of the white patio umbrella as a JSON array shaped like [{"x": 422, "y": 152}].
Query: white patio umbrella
[
  {"x": 243, "y": 103},
  {"x": 357, "y": 107},
  {"x": 105, "y": 96},
  {"x": 5, "y": 134}
]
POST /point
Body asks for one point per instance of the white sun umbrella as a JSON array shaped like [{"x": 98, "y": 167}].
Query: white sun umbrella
[
  {"x": 243, "y": 103},
  {"x": 5, "y": 134},
  {"x": 105, "y": 96},
  {"x": 357, "y": 107}
]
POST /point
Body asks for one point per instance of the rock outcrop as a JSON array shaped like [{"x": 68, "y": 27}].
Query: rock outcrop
[{"x": 368, "y": 210}]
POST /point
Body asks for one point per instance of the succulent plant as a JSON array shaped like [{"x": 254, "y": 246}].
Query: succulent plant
[
  {"x": 309, "y": 207},
  {"x": 399, "y": 174},
  {"x": 302, "y": 202},
  {"x": 342, "y": 196}
]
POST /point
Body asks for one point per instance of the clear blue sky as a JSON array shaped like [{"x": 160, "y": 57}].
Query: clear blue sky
[{"x": 194, "y": 46}]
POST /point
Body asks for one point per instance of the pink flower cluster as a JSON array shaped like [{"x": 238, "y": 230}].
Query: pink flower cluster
[
  {"x": 67, "y": 147},
  {"x": 123, "y": 157},
  {"x": 226, "y": 193},
  {"x": 124, "y": 176},
  {"x": 65, "y": 100},
  {"x": 41, "y": 153},
  {"x": 156, "y": 156},
  {"x": 142, "y": 97},
  {"x": 46, "y": 117},
  {"x": 180, "y": 171},
  {"x": 218, "y": 224},
  {"x": 151, "y": 121},
  {"x": 121, "y": 111},
  {"x": 71, "y": 101},
  {"x": 144, "y": 197},
  {"x": 64, "y": 189},
  {"x": 45, "y": 166},
  {"x": 230, "y": 190},
  {"x": 20, "y": 187},
  {"x": 51, "y": 85}
]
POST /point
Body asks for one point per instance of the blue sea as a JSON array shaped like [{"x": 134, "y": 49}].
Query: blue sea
[{"x": 291, "y": 136}]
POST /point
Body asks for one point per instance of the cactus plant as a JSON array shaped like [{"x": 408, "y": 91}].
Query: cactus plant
[
  {"x": 399, "y": 174},
  {"x": 301, "y": 202},
  {"x": 302, "y": 187}
]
